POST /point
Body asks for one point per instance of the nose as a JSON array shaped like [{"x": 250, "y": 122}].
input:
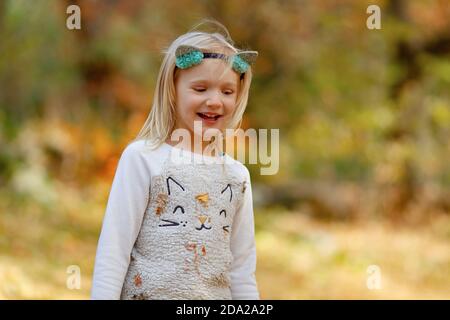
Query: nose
[
  {"x": 214, "y": 101},
  {"x": 202, "y": 219}
]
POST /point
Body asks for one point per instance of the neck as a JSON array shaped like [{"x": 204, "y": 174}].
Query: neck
[{"x": 195, "y": 145}]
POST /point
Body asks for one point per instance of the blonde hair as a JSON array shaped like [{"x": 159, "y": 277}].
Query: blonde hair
[{"x": 161, "y": 119}]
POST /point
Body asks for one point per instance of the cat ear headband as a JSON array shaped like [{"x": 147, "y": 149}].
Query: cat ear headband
[{"x": 189, "y": 56}]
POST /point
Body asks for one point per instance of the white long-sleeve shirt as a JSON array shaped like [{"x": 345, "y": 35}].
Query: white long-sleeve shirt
[{"x": 176, "y": 230}]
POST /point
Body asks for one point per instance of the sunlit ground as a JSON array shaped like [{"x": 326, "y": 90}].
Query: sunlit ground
[
  {"x": 303, "y": 259},
  {"x": 298, "y": 257}
]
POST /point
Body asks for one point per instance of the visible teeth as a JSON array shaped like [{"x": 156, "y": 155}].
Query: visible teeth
[{"x": 209, "y": 116}]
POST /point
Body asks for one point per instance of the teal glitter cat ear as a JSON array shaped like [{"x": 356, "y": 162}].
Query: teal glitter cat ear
[
  {"x": 243, "y": 60},
  {"x": 187, "y": 56}
]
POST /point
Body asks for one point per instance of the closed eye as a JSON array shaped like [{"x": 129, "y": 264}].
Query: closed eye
[
  {"x": 224, "y": 213},
  {"x": 178, "y": 207},
  {"x": 226, "y": 92}
]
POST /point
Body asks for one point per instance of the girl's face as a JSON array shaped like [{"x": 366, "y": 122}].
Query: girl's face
[{"x": 202, "y": 96}]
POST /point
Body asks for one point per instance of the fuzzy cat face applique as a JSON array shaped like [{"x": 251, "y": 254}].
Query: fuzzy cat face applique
[
  {"x": 182, "y": 206},
  {"x": 183, "y": 246}
]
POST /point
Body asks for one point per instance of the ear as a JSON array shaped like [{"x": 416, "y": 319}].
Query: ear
[
  {"x": 171, "y": 182},
  {"x": 188, "y": 56},
  {"x": 228, "y": 187}
]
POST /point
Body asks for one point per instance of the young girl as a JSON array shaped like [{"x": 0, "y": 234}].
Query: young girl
[{"x": 183, "y": 229}]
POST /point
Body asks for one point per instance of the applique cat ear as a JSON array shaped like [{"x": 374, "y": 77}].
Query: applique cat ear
[
  {"x": 244, "y": 186},
  {"x": 161, "y": 201},
  {"x": 187, "y": 56},
  {"x": 249, "y": 56},
  {"x": 243, "y": 60}
]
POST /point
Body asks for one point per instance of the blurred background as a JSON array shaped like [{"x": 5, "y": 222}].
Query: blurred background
[{"x": 360, "y": 207}]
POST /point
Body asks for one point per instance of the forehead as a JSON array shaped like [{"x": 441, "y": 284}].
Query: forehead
[{"x": 210, "y": 70}]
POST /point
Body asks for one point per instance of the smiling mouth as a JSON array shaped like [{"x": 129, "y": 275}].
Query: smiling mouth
[{"x": 209, "y": 117}]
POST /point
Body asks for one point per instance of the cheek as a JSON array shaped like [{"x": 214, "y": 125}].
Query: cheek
[
  {"x": 230, "y": 105},
  {"x": 188, "y": 103}
]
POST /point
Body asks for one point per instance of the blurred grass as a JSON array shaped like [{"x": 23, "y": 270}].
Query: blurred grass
[{"x": 298, "y": 257}]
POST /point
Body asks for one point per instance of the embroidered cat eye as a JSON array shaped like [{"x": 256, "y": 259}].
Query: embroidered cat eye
[{"x": 178, "y": 207}]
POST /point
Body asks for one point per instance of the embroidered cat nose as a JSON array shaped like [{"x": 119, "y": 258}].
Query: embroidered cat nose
[{"x": 202, "y": 219}]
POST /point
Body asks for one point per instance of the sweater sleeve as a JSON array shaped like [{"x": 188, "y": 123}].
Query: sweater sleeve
[
  {"x": 125, "y": 210},
  {"x": 243, "y": 280}
]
